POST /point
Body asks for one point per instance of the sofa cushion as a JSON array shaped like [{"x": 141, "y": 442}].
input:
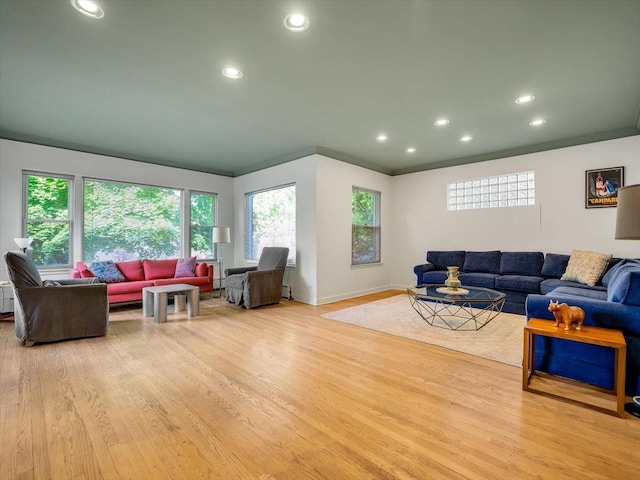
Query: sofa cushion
[
  {"x": 580, "y": 292},
  {"x": 132, "y": 270},
  {"x": 554, "y": 265},
  {"x": 625, "y": 286},
  {"x": 106, "y": 271},
  {"x": 551, "y": 284},
  {"x": 435, "y": 276},
  {"x": 202, "y": 270},
  {"x": 154, "y": 269},
  {"x": 613, "y": 270},
  {"x": 128, "y": 287},
  {"x": 482, "y": 262},
  {"x": 185, "y": 267},
  {"x": 522, "y": 283},
  {"x": 586, "y": 267},
  {"x": 521, "y": 263},
  {"x": 447, "y": 258},
  {"x": 486, "y": 280},
  {"x": 196, "y": 281}
]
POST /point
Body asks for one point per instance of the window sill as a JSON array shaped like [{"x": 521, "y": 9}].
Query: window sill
[{"x": 358, "y": 266}]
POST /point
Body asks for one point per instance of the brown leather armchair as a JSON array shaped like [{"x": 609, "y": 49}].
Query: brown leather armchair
[
  {"x": 262, "y": 285},
  {"x": 71, "y": 308}
]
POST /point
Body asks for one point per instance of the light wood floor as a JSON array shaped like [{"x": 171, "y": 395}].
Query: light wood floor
[{"x": 281, "y": 393}]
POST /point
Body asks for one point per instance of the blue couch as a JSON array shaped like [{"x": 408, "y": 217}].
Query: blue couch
[
  {"x": 613, "y": 304},
  {"x": 531, "y": 280},
  {"x": 516, "y": 274}
]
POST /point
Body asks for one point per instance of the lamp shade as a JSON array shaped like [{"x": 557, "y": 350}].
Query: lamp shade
[
  {"x": 221, "y": 235},
  {"x": 23, "y": 243},
  {"x": 628, "y": 213}
]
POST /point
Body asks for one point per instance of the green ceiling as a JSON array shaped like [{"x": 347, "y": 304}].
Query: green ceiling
[{"x": 144, "y": 82}]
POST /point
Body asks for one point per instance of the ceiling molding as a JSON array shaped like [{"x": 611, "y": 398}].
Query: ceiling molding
[
  {"x": 514, "y": 152},
  {"x": 75, "y": 147}
]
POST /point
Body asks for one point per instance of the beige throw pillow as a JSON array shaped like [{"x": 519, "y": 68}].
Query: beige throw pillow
[{"x": 586, "y": 267}]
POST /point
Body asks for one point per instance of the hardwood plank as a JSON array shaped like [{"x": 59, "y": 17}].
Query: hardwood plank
[{"x": 282, "y": 393}]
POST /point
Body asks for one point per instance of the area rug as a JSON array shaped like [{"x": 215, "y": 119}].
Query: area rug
[{"x": 499, "y": 340}]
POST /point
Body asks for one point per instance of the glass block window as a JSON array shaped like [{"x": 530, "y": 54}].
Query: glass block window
[{"x": 512, "y": 190}]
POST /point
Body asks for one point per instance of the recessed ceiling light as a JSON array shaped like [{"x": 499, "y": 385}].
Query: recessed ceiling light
[
  {"x": 466, "y": 138},
  {"x": 525, "y": 99},
  {"x": 88, "y": 8},
  {"x": 296, "y": 22},
  {"x": 382, "y": 138},
  {"x": 537, "y": 122},
  {"x": 441, "y": 122},
  {"x": 231, "y": 72},
  {"x": 411, "y": 150}
]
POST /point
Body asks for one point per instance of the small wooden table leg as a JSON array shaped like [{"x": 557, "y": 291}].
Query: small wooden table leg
[
  {"x": 526, "y": 361},
  {"x": 621, "y": 362}
]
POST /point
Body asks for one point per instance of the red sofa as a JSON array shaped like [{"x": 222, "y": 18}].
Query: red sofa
[{"x": 139, "y": 274}]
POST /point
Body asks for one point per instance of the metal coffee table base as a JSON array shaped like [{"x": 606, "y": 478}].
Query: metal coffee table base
[
  {"x": 155, "y": 300},
  {"x": 456, "y": 316}
]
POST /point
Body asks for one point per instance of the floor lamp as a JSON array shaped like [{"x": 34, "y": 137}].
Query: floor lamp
[
  {"x": 628, "y": 228},
  {"x": 221, "y": 235}
]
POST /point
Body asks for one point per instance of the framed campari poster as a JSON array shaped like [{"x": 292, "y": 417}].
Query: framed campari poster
[{"x": 602, "y": 185}]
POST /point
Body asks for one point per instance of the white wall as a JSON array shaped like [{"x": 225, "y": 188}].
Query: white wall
[
  {"x": 414, "y": 214},
  {"x": 337, "y": 279},
  {"x": 558, "y": 222},
  {"x": 302, "y": 172},
  {"x": 16, "y": 156}
]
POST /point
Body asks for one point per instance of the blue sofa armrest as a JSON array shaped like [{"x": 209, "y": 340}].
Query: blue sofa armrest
[
  {"x": 598, "y": 313},
  {"x": 420, "y": 269}
]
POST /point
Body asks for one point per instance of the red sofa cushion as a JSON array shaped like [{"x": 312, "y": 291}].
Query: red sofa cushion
[
  {"x": 127, "y": 287},
  {"x": 132, "y": 270},
  {"x": 195, "y": 281},
  {"x": 154, "y": 269},
  {"x": 202, "y": 270}
]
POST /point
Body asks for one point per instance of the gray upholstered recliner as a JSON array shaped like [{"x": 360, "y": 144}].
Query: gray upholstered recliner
[
  {"x": 262, "y": 285},
  {"x": 72, "y": 308}
]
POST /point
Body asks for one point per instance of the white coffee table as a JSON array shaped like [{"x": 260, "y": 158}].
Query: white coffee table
[{"x": 155, "y": 299}]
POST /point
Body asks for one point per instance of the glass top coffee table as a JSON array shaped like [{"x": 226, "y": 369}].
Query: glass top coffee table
[{"x": 442, "y": 308}]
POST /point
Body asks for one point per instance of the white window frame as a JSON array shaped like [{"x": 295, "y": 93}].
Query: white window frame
[
  {"x": 182, "y": 234},
  {"x": 214, "y": 196},
  {"x": 376, "y": 225},
  {"x": 508, "y": 190},
  {"x": 249, "y": 255},
  {"x": 70, "y": 211}
]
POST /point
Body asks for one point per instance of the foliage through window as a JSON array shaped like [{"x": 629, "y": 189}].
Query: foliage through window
[
  {"x": 271, "y": 221},
  {"x": 511, "y": 190},
  {"x": 49, "y": 218},
  {"x": 124, "y": 221},
  {"x": 365, "y": 228},
  {"x": 203, "y": 219}
]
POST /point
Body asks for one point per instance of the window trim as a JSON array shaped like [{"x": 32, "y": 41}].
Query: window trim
[
  {"x": 248, "y": 217},
  {"x": 70, "y": 211},
  {"x": 139, "y": 184},
  {"x": 491, "y": 181},
  {"x": 215, "y": 224},
  {"x": 378, "y": 223}
]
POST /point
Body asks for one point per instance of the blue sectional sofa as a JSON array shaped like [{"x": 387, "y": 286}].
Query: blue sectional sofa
[
  {"x": 615, "y": 304},
  {"x": 531, "y": 280},
  {"x": 516, "y": 274}
]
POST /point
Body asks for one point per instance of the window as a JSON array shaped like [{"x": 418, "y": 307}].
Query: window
[
  {"x": 203, "y": 219},
  {"x": 271, "y": 221},
  {"x": 365, "y": 226},
  {"x": 124, "y": 221},
  {"x": 48, "y": 218},
  {"x": 511, "y": 190}
]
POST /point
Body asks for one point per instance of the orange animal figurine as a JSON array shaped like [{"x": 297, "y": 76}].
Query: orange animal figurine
[{"x": 563, "y": 313}]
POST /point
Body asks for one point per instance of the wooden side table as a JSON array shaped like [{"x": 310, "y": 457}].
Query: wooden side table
[{"x": 593, "y": 335}]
